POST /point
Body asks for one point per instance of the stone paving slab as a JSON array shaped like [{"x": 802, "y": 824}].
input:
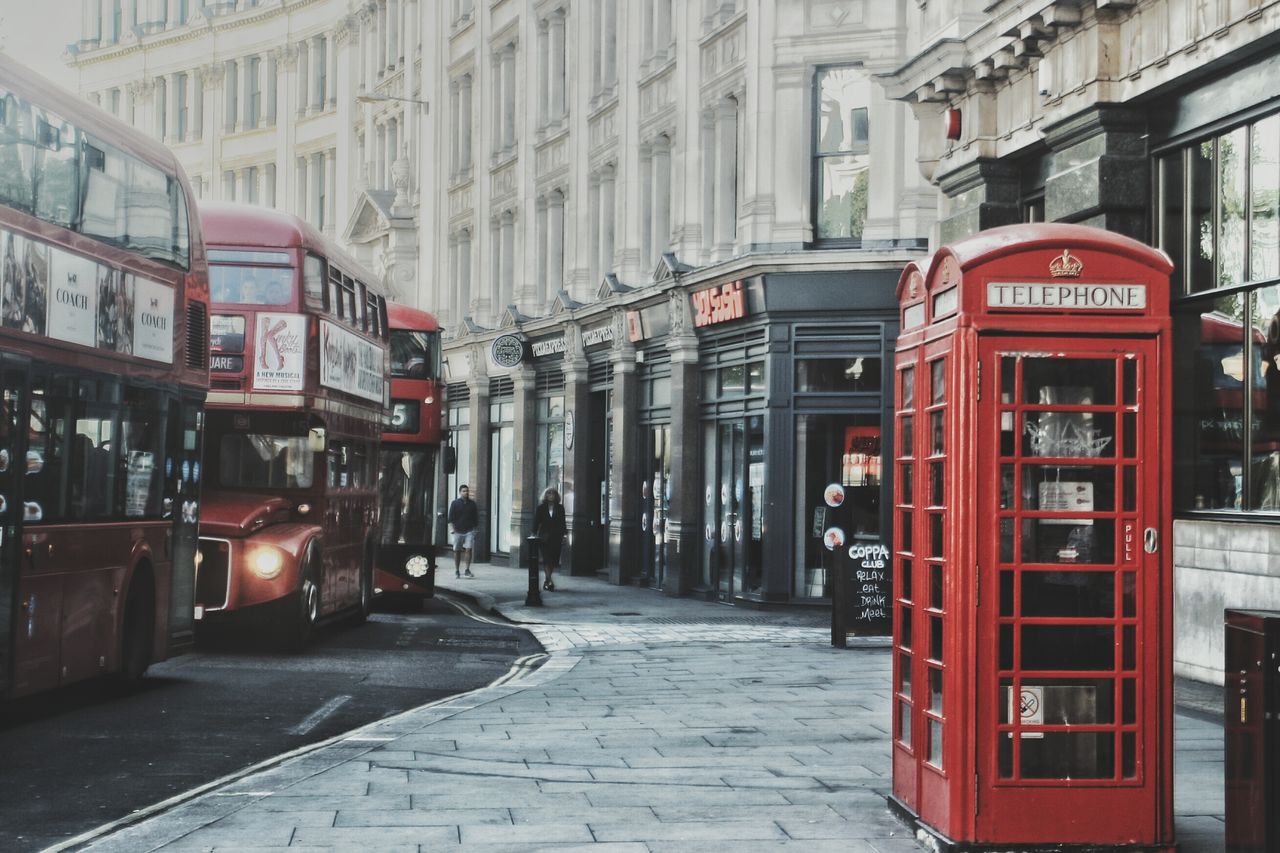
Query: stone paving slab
[{"x": 630, "y": 738}]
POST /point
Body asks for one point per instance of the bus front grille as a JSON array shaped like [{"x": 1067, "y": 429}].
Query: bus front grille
[{"x": 213, "y": 574}]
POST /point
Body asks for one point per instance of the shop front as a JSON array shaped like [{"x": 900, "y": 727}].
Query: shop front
[{"x": 693, "y": 429}]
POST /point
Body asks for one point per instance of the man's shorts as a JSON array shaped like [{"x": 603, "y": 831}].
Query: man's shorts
[{"x": 464, "y": 541}]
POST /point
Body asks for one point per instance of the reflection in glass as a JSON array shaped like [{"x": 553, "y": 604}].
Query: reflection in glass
[
  {"x": 1200, "y": 175},
  {"x": 1212, "y": 420},
  {"x": 1264, "y": 185},
  {"x": 1233, "y": 160},
  {"x": 1172, "y": 217}
]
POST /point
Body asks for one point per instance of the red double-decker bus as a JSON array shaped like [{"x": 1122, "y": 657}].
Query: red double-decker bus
[
  {"x": 296, "y": 410},
  {"x": 410, "y": 462},
  {"x": 103, "y": 373}
]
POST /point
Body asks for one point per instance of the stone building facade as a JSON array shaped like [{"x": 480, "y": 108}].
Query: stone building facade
[
  {"x": 309, "y": 106},
  {"x": 666, "y": 246}
]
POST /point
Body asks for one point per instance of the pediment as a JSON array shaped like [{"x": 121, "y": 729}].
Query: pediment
[
  {"x": 610, "y": 286},
  {"x": 370, "y": 218},
  {"x": 669, "y": 268},
  {"x": 511, "y": 318},
  {"x": 564, "y": 303}
]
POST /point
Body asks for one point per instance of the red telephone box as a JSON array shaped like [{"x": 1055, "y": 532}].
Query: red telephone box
[{"x": 1032, "y": 676}]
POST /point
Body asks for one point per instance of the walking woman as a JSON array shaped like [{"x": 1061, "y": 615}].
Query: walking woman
[{"x": 549, "y": 527}]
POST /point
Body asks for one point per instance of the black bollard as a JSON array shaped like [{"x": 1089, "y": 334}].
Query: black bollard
[{"x": 533, "y": 598}]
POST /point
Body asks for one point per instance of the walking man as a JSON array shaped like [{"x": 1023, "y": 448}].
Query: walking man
[{"x": 464, "y": 518}]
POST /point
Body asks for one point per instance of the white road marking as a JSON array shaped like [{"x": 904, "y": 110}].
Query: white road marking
[{"x": 317, "y": 716}]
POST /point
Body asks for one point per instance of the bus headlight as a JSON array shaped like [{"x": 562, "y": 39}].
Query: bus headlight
[{"x": 266, "y": 563}]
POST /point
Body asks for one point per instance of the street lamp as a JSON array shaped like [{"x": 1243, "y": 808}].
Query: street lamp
[{"x": 373, "y": 99}]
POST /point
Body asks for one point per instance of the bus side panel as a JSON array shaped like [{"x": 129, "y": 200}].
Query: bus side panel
[{"x": 38, "y": 632}]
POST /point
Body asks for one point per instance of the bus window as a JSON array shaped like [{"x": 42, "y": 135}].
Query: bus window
[
  {"x": 250, "y": 285},
  {"x": 256, "y": 461},
  {"x": 410, "y": 354},
  {"x": 313, "y": 279},
  {"x": 336, "y": 302}
]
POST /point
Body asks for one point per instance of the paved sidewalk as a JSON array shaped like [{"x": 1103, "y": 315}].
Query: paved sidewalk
[{"x": 655, "y": 724}]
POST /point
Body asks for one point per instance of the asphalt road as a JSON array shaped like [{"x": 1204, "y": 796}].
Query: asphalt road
[{"x": 88, "y": 755}]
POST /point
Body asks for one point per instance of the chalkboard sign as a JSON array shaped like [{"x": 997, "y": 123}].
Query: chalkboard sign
[{"x": 868, "y": 588}]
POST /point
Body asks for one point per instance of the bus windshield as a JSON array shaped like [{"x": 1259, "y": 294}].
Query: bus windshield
[
  {"x": 412, "y": 354},
  {"x": 257, "y": 461},
  {"x": 250, "y": 285}
]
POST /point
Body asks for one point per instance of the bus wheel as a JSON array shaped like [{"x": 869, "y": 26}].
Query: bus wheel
[
  {"x": 136, "y": 637},
  {"x": 366, "y": 589},
  {"x": 305, "y": 609}
]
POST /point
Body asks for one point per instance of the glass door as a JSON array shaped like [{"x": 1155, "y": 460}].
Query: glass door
[
  {"x": 13, "y": 392},
  {"x": 1068, "y": 641},
  {"x": 655, "y": 502},
  {"x": 731, "y": 454}
]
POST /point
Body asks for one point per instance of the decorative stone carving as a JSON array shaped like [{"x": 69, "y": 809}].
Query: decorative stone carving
[
  {"x": 346, "y": 29},
  {"x": 401, "y": 176},
  {"x": 286, "y": 56},
  {"x": 678, "y": 311},
  {"x": 141, "y": 90}
]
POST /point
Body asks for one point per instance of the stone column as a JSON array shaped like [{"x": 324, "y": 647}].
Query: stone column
[
  {"x": 597, "y": 46},
  {"x": 609, "y": 71},
  {"x": 555, "y": 27},
  {"x": 608, "y": 220},
  {"x": 455, "y": 130},
  {"x": 624, "y": 476},
  {"x": 464, "y": 274},
  {"x": 506, "y": 291},
  {"x": 726, "y": 174},
  {"x": 331, "y": 191},
  {"x": 230, "y": 96},
  {"x": 595, "y": 215},
  {"x": 172, "y": 85},
  {"x": 685, "y": 537},
  {"x": 543, "y": 269},
  {"x": 509, "y": 97},
  {"x": 245, "y": 105},
  {"x": 661, "y": 196},
  {"x": 555, "y": 246},
  {"x": 272, "y": 88},
  {"x": 194, "y": 104},
  {"x": 303, "y": 185},
  {"x": 388, "y": 36},
  {"x": 1099, "y": 174},
  {"x": 544, "y": 74},
  {"x": 465, "y": 119},
  {"x": 331, "y": 77},
  {"x": 481, "y": 454},
  {"x": 524, "y": 491},
  {"x": 304, "y": 76},
  {"x": 708, "y": 194},
  {"x": 495, "y": 110}
]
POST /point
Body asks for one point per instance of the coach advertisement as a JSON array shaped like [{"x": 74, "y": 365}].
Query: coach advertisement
[{"x": 349, "y": 363}]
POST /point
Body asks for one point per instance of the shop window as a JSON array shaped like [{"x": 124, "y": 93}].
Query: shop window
[
  {"x": 834, "y": 453},
  {"x": 550, "y": 443},
  {"x": 838, "y": 375}
]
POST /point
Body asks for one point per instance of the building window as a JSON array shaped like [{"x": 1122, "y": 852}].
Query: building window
[
  {"x": 251, "y": 185},
  {"x": 552, "y": 104},
  {"x": 504, "y": 101},
  {"x": 117, "y": 20},
  {"x": 269, "y": 188},
  {"x": 1219, "y": 219},
  {"x": 841, "y": 161},
  {"x": 655, "y": 39},
  {"x": 720, "y": 177},
  {"x": 460, "y": 441},
  {"x": 604, "y": 54},
  {"x": 253, "y": 108},
  {"x": 228, "y": 186},
  {"x": 114, "y": 100},
  {"x": 460, "y": 136},
  {"x": 460, "y": 12},
  {"x": 231, "y": 93},
  {"x": 320, "y": 61}
]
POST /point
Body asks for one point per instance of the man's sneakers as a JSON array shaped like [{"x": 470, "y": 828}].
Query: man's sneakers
[{"x": 469, "y": 573}]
